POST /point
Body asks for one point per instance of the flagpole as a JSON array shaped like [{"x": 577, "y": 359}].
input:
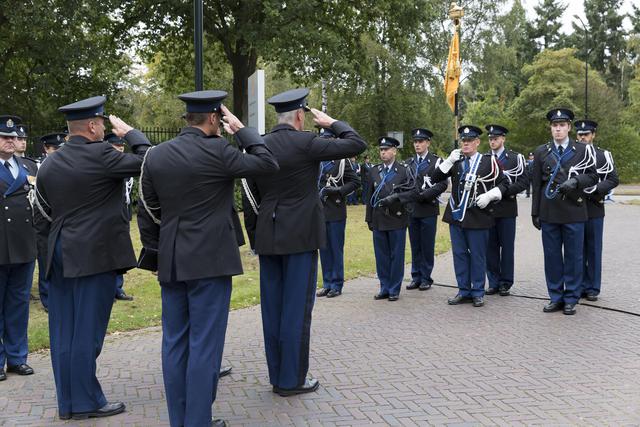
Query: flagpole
[{"x": 455, "y": 14}]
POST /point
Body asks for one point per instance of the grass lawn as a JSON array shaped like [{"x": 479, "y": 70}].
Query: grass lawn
[{"x": 145, "y": 309}]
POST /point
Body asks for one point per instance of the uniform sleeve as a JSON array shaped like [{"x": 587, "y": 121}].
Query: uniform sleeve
[
  {"x": 257, "y": 160},
  {"x": 125, "y": 165},
  {"x": 348, "y": 144},
  {"x": 536, "y": 183},
  {"x": 149, "y": 213},
  {"x": 350, "y": 178}
]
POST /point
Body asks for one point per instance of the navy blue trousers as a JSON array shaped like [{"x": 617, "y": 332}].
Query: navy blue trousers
[
  {"x": 119, "y": 284},
  {"x": 388, "y": 247},
  {"x": 43, "y": 282},
  {"x": 500, "y": 253},
  {"x": 563, "y": 271},
  {"x": 79, "y": 310},
  {"x": 287, "y": 295},
  {"x": 592, "y": 274},
  {"x": 14, "y": 312},
  {"x": 469, "y": 248},
  {"x": 332, "y": 256},
  {"x": 194, "y": 323},
  {"x": 422, "y": 237}
]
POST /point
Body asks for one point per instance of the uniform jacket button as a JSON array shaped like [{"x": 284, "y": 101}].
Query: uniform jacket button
[
  {"x": 6, "y": 208},
  {"x": 26, "y": 220},
  {"x": 8, "y": 219}
]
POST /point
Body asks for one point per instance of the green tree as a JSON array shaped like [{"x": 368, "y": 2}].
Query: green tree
[{"x": 547, "y": 24}]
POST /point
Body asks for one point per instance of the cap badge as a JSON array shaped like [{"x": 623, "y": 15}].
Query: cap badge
[
  {"x": 9, "y": 123},
  {"x": 558, "y": 113},
  {"x": 466, "y": 130},
  {"x": 383, "y": 141},
  {"x": 491, "y": 129},
  {"x": 58, "y": 137},
  {"x": 583, "y": 125}
]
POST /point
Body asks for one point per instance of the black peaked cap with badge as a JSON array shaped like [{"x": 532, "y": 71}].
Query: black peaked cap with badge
[
  {"x": 585, "y": 126},
  {"x": 290, "y": 100},
  {"x": 388, "y": 142},
  {"x": 85, "y": 109},
  {"x": 203, "y": 101},
  {"x": 560, "y": 115},
  {"x": 469, "y": 132},
  {"x": 421, "y": 134},
  {"x": 496, "y": 130},
  {"x": 53, "y": 139},
  {"x": 8, "y": 125}
]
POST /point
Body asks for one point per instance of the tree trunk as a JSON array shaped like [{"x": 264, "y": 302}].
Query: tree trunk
[{"x": 242, "y": 65}]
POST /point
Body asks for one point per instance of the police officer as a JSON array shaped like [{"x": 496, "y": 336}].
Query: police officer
[
  {"x": 562, "y": 169},
  {"x": 337, "y": 179},
  {"x": 118, "y": 144},
  {"x": 423, "y": 210},
  {"x": 529, "y": 171},
  {"x": 187, "y": 189},
  {"x": 289, "y": 231},
  {"x": 593, "y": 233},
  {"x": 17, "y": 253},
  {"x": 79, "y": 187},
  {"x": 365, "y": 167},
  {"x": 502, "y": 236},
  {"x": 387, "y": 218},
  {"x": 50, "y": 143},
  {"x": 352, "y": 198},
  {"x": 476, "y": 182}
]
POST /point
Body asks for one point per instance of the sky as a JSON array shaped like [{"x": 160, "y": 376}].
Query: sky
[{"x": 575, "y": 7}]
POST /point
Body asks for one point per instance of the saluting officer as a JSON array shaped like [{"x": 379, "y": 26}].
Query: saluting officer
[
  {"x": 562, "y": 169},
  {"x": 17, "y": 254},
  {"x": 289, "y": 231},
  {"x": 387, "y": 218},
  {"x": 502, "y": 236},
  {"x": 594, "y": 228},
  {"x": 187, "y": 188},
  {"x": 476, "y": 182},
  {"x": 79, "y": 187},
  {"x": 337, "y": 180},
  {"x": 424, "y": 209}
]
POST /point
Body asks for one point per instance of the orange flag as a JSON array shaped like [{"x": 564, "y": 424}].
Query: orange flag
[{"x": 452, "y": 77}]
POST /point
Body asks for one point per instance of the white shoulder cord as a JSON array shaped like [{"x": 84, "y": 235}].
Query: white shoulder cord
[
  {"x": 252, "y": 200},
  {"x": 141, "y": 193},
  {"x": 334, "y": 181},
  {"x": 587, "y": 161},
  {"x": 514, "y": 173},
  {"x": 34, "y": 201},
  {"x": 605, "y": 170},
  {"x": 128, "y": 186},
  {"x": 491, "y": 177}
]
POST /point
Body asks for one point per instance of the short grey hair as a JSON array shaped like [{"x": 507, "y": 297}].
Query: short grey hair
[{"x": 288, "y": 117}]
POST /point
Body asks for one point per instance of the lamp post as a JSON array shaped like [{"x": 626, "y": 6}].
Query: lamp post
[
  {"x": 197, "y": 41},
  {"x": 586, "y": 67}
]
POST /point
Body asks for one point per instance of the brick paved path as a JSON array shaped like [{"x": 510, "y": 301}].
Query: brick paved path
[{"x": 413, "y": 362}]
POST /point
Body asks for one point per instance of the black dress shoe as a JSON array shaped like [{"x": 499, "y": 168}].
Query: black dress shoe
[
  {"x": 504, "y": 291},
  {"x": 224, "y": 371},
  {"x": 478, "y": 302},
  {"x": 218, "y": 423},
  {"x": 334, "y": 293},
  {"x": 124, "y": 297},
  {"x": 591, "y": 297},
  {"x": 553, "y": 306},
  {"x": 23, "y": 369},
  {"x": 380, "y": 296},
  {"x": 491, "y": 291},
  {"x": 413, "y": 285},
  {"x": 3, "y": 376},
  {"x": 64, "y": 416},
  {"x": 106, "y": 411},
  {"x": 322, "y": 292},
  {"x": 393, "y": 297},
  {"x": 425, "y": 286},
  {"x": 569, "y": 309},
  {"x": 458, "y": 299},
  {"x": 310, "y": 385}
]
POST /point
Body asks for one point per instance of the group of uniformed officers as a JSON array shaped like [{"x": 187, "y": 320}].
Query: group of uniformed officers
[{"x": 295, "y": 185}]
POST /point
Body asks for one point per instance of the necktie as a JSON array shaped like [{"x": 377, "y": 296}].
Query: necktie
[
  {"x": 7, "y": 164},
  {"x": 466, "y": 164},
  {"x": 560, "y": 149},
  {"x": 420, "y": 159}
]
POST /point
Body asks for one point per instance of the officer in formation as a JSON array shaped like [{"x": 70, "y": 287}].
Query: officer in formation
[
  {"x": 529, "y": 171},
  {"x": 502, "y": 236},
  {"x": 79, "y": 189},
  {"x": 290, "y": 229},
  {"x": 424, "y": 209},
  {"x": 337, "y": 180},
  {"x": 193, "y": 234},
  {"x": 594, "y": 227},
  {"x": 476, "y": 181},
  {"x": 50, "y": 144},
  {"x": 387, "y": 218},
  {"x": 365, "y": 167},
  {"x": 562, "y": 170},
  {"x": 118, "y": 144},
  {"x": 17, "y": 254}
]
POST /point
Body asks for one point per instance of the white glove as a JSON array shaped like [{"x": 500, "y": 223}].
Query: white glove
[
  {"x": 492, "y": 195},
  {"x": 447, "y": 163}
]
